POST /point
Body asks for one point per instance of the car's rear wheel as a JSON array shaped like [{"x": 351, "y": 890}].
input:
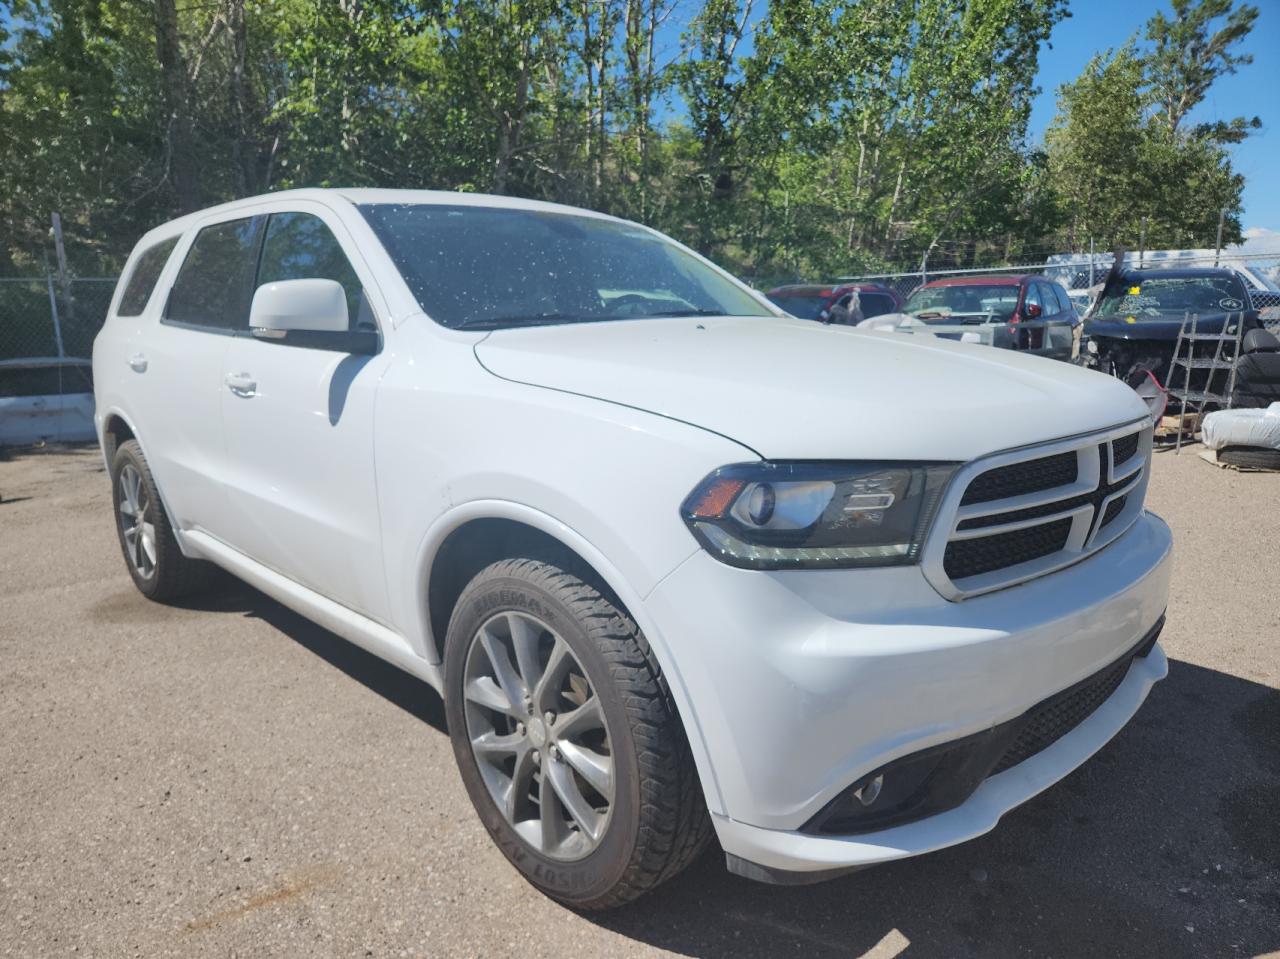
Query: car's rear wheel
[
  {"x": 566, "y": 736},
  {"x": 151, "y": 552}
]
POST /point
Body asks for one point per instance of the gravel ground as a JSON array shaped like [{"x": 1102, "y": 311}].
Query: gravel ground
[{"x": 227, "y": 779}]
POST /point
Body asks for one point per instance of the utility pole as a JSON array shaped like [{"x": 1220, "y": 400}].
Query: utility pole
[
  {"x": 1142, "y": 243},
  {"x": 64, "y": 279},
  {"x": 1091, "y": 263},
  {"x": 1217, "y": 246}
]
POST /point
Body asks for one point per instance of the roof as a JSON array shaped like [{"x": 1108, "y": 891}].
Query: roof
[
  {"x": 1185, "y": 272},
  {"x": 1003, "y": 279},
  {"x": 360, "y": 195}
]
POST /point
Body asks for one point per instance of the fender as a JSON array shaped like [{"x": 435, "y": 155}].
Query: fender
[
  {"x": 100, "y": 422},
  {"x": 633, "y": 600}
]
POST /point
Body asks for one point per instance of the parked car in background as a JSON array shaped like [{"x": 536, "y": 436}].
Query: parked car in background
[
  {"x": 1133, "y": 326},
  {"x": 46, "y": 400},
  {"x": 569, "y": 473},
  {"x": 1018, "y": 312},
  {"x": 847, "y": 304}
]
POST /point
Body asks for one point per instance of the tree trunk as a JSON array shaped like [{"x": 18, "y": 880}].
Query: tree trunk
[{"x": 184, "y": 170}]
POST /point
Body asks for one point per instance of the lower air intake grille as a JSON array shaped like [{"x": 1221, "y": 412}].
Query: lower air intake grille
[
  {"x": 1046, "y": 723},
  {"x": 972, "y": 557}
]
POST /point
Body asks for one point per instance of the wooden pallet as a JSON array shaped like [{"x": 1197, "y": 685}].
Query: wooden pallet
[{"x": 1188, "y": 424}]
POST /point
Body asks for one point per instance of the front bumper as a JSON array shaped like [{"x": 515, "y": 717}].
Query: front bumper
[{"x": 803, "y": 682}]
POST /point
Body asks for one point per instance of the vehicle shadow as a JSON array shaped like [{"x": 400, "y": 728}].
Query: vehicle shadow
[
  {"x": 1167, "y": 843},
  {"x": 391, "y": 683}
]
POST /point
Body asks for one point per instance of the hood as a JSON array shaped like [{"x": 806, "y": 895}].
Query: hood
[
  {"x": 793, "y": 389},
  {"x": 1159, "y": 329}
]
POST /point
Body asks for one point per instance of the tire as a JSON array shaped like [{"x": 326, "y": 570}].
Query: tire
[
  {"x": 1256, "y": 457},
  {"x": 151, "y": 553},
  {"x": 654, "y": 821}
]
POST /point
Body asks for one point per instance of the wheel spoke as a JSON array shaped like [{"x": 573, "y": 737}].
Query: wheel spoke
[
  {"x": 594, "y": 767},
  {"x": 583, "y": 719},
  {"x": 518, "y": 788},
  {"x": 131, "y": 480},
  {"x": 483, "y": 691},
  {"x": 550, "y": 816},
  {"x": 524, "y": 640},
  {"x": 149, "y": 542},
  {"x": 503, "y": 671},
  {"x": 571, "y": 798},
  {"x": 561, "y": 659},
  {"x": 491, "y": 743}
]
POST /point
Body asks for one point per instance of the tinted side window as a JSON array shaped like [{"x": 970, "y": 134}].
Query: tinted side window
[
  {"x": 300, "y": 247},
  {"x": 1033, "y": 296},
  {"x": 876, "y": 304},
  {"x": 215, "y": 285},
  {"x": 143, "y": 279},
  {"x": 1064, "y": 301}
]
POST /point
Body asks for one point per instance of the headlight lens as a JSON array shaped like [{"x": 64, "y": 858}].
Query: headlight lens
[{"x": 816, "y": 515}]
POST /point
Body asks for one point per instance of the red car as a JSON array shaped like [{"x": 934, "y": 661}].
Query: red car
[
  {"x": 831, "y": 304},
  {"x": 1032, "y": 312}
]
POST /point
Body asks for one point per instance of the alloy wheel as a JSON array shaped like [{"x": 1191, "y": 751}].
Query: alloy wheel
[
  {"x": 538, "y": 734},
  {"x": 136, "y": 527}
]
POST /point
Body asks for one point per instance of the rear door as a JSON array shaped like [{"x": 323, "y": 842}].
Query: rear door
[
  {"x": 298, "y": 423},
  {"x": 175, "y": 367}
]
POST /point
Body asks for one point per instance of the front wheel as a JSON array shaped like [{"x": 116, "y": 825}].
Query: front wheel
[{"x": 566, "y": 737}]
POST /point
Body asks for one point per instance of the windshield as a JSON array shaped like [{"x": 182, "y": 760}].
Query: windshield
[
  {"x": 938, "y": 302},
  {"x": 1162, "y": 297},
  {"x": 805, "y": 307},
  {"x": 480, "y": 267}
]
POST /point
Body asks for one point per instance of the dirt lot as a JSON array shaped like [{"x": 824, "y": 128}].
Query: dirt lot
[{"x": 229, "y": 780}]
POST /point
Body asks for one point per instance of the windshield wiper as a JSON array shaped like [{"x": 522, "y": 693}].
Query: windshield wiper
[
  {"x": 523, "y": 319},
  {"x": 669, "y": 313}
]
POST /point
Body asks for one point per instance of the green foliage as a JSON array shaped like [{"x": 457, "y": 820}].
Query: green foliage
[
  {"x": 787, "y": 138},
  {"x": 1122, "y": 164}
]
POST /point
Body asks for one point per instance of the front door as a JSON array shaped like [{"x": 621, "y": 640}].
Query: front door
[{"x": 298, "y": 428}]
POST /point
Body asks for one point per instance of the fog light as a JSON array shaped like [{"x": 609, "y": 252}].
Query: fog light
[{"x": 869, "y": 791}]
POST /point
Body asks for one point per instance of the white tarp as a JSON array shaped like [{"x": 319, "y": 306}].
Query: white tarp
[{"x": 1258, "y": 428}]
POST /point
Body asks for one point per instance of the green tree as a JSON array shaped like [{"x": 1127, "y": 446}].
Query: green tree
[{"x": 1189, "y": 55}]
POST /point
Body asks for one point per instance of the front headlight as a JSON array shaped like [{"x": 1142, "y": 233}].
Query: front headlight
[{"x": 816, "y": 515}]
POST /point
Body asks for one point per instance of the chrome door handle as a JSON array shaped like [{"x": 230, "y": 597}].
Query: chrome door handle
[
  {"x": 241, "y": 384},
  {"x": 138, "y": 363}
]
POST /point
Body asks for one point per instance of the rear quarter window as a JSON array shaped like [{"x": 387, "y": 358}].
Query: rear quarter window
[{"x": 142, "y": 281}]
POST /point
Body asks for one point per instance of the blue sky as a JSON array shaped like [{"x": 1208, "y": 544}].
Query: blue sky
[{"x": 1095, "y": 25}]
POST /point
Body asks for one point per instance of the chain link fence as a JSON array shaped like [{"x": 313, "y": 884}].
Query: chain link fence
[
  {"x": 1082, "y": 274},
  {"x": 42, "y": 316}
]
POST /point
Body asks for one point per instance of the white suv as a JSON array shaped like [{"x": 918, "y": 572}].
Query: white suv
[{"x": 676, "y": 561}]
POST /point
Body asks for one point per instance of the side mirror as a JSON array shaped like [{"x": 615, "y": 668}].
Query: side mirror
[
  {"x": 312, "y": 305},
  {"x": 1033, "y": 311}
]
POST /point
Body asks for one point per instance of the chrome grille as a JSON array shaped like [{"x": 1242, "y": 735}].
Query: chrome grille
[{"x": 1018, "y": 515}]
